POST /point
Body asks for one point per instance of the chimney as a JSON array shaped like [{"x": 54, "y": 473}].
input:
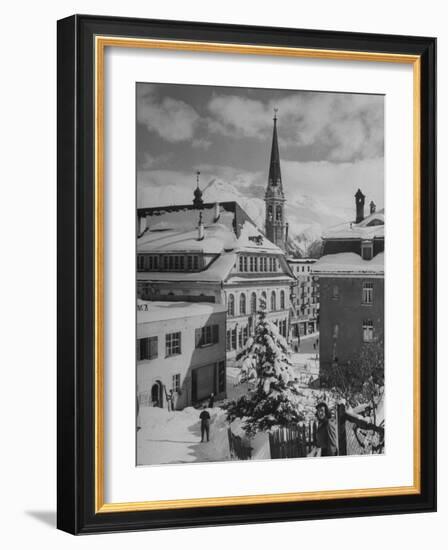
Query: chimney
[
  {"x": 200, "y": 228},
  {"x": 359, "y": 201},
  {"x": 217, "y": 212},
  {"x": 286, "y": 234},
  {"x": 372, "y": 207}
]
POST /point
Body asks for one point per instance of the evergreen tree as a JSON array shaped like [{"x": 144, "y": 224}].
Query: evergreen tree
[{"x": 273, "y": 397}]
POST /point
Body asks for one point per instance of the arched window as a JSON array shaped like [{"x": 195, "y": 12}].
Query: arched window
[
  {"x": 273, "y": 301},
  {"x": 253, "y": 303},
  {"x": 243, "y": 304},
  {"x": 282, "y": 299},
  {"x": 264, "y": 299},
  {"x": 278, "y": 216},
  {"x": 231, "y": 305}
]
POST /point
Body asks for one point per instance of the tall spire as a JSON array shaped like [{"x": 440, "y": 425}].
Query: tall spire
[
  {"x": 275, "y": 225},
  {"x": 275, "y": 176}
]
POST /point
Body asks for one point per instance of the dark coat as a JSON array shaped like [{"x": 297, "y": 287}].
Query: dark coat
[{"x": 326, "y": 437}]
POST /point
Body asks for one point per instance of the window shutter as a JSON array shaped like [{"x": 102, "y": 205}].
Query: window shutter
[
  {"x": 197, "y": 337},
  {"x": 194, "y": 384},
  {"x": 153, "y": 351},
  {"x": 215, "y": 334}
]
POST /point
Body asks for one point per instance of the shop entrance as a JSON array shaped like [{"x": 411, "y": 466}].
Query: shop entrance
[{"x": 157, "y": 394}]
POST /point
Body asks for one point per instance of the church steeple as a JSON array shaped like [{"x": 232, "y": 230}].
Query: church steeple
[
  {"x": 274, "y": 196},
  {"x": 275, "y": 176}
]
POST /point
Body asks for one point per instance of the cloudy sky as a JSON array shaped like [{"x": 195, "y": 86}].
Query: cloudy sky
[{"x": 330, "y": 143}]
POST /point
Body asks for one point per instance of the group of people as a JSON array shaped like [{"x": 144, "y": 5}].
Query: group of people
[{"x": 326, "y": 434}]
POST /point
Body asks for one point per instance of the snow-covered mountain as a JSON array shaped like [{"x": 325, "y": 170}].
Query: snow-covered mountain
[
  {"x": 307, "y": 217},
  {"x": 219, "y": 190}
]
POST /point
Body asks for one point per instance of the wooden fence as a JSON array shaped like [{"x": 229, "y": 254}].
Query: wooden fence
[
  {"x": 292, "y": 442},
  {"x": 356, "y": 435}
]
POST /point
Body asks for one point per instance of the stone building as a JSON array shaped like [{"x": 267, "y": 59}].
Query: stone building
[
  {"x": 215, "y": 254},
  {"x": 180, "y": 347},
  {"x": 304, "y": 298},
  {"x": 351, "y": 287}
]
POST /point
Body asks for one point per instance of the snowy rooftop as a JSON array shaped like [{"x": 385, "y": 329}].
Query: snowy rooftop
[
  {"x": 370, "y": 227},
  {"x": 349, "y": 262},
  {"x": 148, "y": 312},
  {"x": 175, "y": 228}
]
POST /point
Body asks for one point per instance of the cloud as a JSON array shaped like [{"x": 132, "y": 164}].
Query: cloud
[
  {"x": 340, "y": 127},
  {"x": 237, "y": 116},
  {"x": 172, "y": 119},
  {"x": 150, "y": 161},
  {"x": 201, "y": 143}
]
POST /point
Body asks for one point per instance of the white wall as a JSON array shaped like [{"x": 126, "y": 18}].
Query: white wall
[{"x": 28, "y": 272}]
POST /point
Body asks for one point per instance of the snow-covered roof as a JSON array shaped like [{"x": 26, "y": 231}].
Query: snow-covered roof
[
  {"x": 175, "y": 229},
  {"x": 217, "y": 238},
  {"x": 372, "y": 226},
  {"x": 349, "y": 262},
  {"x": 148, "y": 312}
]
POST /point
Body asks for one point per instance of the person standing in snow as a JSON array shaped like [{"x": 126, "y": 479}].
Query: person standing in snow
[
  {"x": 170, "y": 400},
  {"x": 326, "y": 435},
  {"x": 205, "y": 424}
]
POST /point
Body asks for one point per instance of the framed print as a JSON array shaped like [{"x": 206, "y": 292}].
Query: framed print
[{"x": 246, "y": 274}]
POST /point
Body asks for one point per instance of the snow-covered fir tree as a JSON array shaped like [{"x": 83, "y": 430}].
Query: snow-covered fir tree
[{"x": 273, "y": 399}]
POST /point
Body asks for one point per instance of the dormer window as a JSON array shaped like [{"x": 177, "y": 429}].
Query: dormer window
[{"x": 367, "y": 250}]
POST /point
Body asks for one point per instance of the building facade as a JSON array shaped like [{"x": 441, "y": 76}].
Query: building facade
[
  {"x": 215, "y": 254},
  {"x": 351, "y": 287},
  {"x": 304, "y": 298},
  {"x": 180, "y": 347}
]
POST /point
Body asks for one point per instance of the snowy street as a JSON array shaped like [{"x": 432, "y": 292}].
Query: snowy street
[{"x": 164, "y": 435}]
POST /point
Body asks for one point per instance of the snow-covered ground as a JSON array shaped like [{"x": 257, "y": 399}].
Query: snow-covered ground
[{"x": 175, "y": 437}]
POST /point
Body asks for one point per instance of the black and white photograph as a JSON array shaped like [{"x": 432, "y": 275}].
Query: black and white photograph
[{"x": 260, "y": 230}]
